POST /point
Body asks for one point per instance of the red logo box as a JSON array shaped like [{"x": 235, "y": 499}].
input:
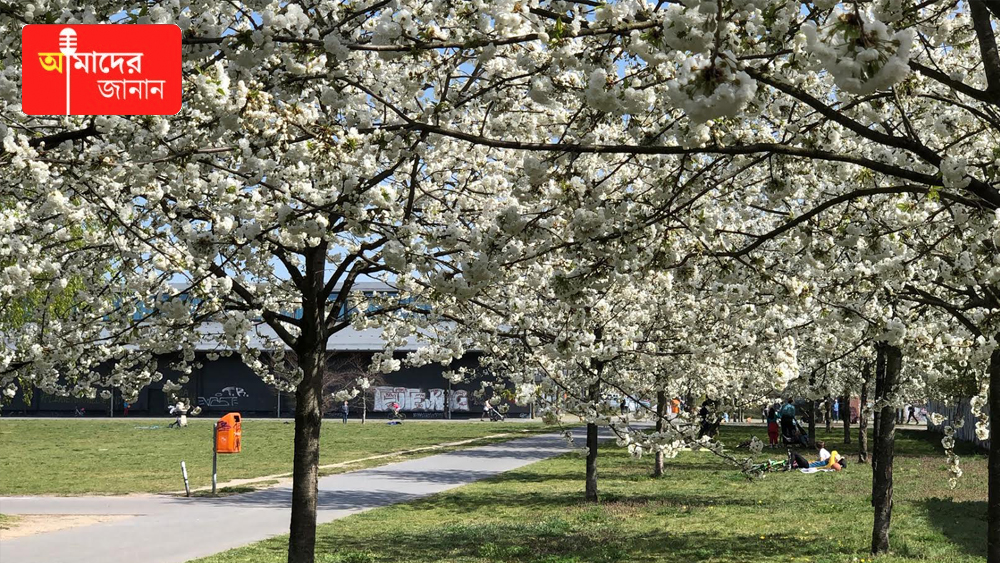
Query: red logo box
[{"x": 115, "y": 69}]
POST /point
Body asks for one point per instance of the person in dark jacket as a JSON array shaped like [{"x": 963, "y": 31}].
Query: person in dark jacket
[
  {"x": 787, "y": 413},
  {"x": 344, "y": 411}
]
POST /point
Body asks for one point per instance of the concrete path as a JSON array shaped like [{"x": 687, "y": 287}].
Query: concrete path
[{"x": 175, "y": 530}]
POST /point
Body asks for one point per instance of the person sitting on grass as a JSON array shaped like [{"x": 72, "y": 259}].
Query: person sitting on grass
[
  {"x": 824, "y": 454},
  {"x": 180, "y": 411}
]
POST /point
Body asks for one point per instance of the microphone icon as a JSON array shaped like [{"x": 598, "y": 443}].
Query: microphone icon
[
  {"x": 67, "y": 46},
  {"x": 67, "y": 41}
]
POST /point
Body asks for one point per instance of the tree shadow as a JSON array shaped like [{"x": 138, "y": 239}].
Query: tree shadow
[
  {"x": 963, "y": 523},
  {"x": 559, "y": 539}
]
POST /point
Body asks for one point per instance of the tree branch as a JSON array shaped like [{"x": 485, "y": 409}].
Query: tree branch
[{"x": 987, "y": 47}]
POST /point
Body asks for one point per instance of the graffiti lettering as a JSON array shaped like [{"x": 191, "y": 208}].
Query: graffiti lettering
[
  {"x": 460, "y": 400},
  {"x": 435, "y": 402},
  {"x": 226, "y": 397},
  {"x": 416, "y": 399}
]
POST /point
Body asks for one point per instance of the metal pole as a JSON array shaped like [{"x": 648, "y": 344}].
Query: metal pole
[
  {"x": 184, "y": 471},
  {"x": 279, "y": 403},
  {"x": 112, "y": 415},
  {"x": 215, "y": 456}
]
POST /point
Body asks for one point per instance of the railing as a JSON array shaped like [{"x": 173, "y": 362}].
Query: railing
[{"x": 952, "y": 411}]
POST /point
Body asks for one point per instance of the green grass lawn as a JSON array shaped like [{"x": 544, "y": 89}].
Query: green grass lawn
[
  {"x": 699, "y": 511},
  {"x": 68, "y": 457}
]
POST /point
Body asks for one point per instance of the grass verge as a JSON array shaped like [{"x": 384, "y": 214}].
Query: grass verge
[{"x": 68, "y": 457}]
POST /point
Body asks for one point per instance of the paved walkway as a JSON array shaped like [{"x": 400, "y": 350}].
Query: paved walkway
[{"x": 177, "y": 529}]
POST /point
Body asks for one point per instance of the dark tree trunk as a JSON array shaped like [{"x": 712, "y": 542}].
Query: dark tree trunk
[
  {"x": 364, "y": 405},
  {"x": 311, "y": 351},
  {"x": 591, "y": 462},
  {"x": 308, "y": 420},
  {"x": 993, "y": 504},
  {"x": 885, "y": 384},
  {"x": 863, "y": 414},
  {"x": 828, "y": 414},
  {"x": 591, "y": 494},
  {"x": 845, "y": 415},
  {"x": 812, "y": 421},
  {"x": 661, "y": 411}
]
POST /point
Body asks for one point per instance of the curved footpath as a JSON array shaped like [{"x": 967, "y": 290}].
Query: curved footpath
[{"x": 177, "y": 529}]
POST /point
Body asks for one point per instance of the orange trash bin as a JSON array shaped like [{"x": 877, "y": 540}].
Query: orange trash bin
[{"x": 227, "y": 434}]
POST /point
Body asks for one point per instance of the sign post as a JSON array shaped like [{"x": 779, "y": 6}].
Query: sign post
[
  {"x": 187, "y": 487},
  {"x": 215, "y": 456}
]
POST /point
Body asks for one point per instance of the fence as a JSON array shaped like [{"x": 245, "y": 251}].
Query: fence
[{"x": 953, "y": 411}]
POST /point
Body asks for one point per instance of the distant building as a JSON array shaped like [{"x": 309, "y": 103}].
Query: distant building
[{"x": 227, "y": 384}]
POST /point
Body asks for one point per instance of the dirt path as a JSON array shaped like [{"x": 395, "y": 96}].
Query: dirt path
[{"x": 30, "y": 524}]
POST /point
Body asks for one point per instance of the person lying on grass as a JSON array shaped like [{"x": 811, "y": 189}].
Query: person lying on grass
[{"x": 827, "y": 460}]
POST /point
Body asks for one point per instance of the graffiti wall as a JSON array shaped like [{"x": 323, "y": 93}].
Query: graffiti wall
[
  {"x": 226, "y": 397},
  {"x": 417, "y": 399}
]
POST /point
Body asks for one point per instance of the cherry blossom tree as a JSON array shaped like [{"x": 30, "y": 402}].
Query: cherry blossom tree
[{"x": 459, "y": 145}]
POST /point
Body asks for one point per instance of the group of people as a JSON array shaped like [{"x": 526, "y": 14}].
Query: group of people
[
  {"x": 826, "y": 460},
  {"x": 781, "y": 422}
]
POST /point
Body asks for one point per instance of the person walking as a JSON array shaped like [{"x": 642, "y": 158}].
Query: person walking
[
  {"x": 125, "y": 406},
  {"x": 912, "y": 415},
  {"x": 344, "y": 411}
]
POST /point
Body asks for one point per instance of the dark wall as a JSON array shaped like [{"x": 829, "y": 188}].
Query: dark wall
[{"x": 227, "y": 385}]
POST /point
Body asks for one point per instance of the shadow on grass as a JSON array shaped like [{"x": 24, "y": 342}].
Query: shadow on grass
[
  {"x": 564, "y": 540},
  {"x": 963, "y": 523}
]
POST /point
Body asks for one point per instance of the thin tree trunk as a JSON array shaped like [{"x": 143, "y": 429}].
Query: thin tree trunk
[
  {"x": 661, "y": 411},
  {"x": 812, "y": 422},
  {"x": 591, "y": 494},
  {"x": 885, "y": 384},
  {"x": 845, "y": 415},
  {"x": 993, "y": 504},
  {"x": 863, "y": 414},
  {"x": 591, "y": 463},
  {"x": 828, "y": 414}
]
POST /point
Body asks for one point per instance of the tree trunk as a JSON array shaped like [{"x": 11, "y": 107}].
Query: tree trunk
[
  {"x": 885, "y": 384},
  {"x": 591, "y": 494},
  {"x": 828, "y": 414},
  {"x": 311, "y": 350},
  {"x": 845, "y": 415},
  {"x": 592, "y": 462},
  {"x": 661, "y": 411},
  {"x": 812, "y": 422},
  {"x": 305, "y": 471},
  {"x": 993, "y": 504},
  {"x": 863, "y": 415}
]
